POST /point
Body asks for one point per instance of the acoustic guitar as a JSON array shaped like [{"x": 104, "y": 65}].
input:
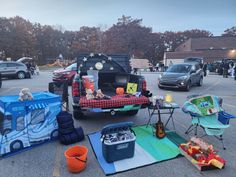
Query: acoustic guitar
[{"x": 160, "y": 131}]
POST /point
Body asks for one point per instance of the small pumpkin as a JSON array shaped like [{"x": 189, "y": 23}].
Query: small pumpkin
[{"x": 120, "y": 91}]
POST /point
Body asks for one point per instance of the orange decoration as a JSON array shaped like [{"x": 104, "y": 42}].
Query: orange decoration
[
  {"x": 120, "y": 91},
  {"x": 88, "y": 82}
]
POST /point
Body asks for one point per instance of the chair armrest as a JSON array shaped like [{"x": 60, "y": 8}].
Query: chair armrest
[{"x": 225, "y": 117}]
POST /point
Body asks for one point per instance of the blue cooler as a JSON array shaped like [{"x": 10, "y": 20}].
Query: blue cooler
[{"x": 118, "y": 141}]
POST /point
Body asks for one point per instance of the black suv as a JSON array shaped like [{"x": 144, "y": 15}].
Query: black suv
[{"x": 181, "y": 76}]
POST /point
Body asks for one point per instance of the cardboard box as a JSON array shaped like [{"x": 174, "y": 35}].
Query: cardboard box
[{"x": 199, "y": 167}]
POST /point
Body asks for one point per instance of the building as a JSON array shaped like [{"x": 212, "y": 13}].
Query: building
[
  {"x": 140, "y": 63},
  {"x": 210, "y": 48}
]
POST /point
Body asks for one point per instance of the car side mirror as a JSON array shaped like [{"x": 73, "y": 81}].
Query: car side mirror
[{"x": 192, "y": 71}]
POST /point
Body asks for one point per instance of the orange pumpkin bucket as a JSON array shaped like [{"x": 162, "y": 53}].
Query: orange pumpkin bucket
[
  {"x": 120, "y": 91},
  {"x": 76, "y": 158}
]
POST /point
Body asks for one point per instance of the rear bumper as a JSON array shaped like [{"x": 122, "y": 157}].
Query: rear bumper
[
  {"x": 100, "y": 110},
  {"x": 116, "y": 103}
]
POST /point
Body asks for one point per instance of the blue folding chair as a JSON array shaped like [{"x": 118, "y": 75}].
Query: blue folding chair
[{"x": 206, "y": 111}]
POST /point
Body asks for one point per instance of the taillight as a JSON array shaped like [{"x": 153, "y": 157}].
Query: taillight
[
  {"x": 75, "y": 88},
  {"x": 144, "y": 85}
]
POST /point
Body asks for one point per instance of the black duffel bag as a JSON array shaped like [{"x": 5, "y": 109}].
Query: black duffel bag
[{"x": 76, "y": 136}]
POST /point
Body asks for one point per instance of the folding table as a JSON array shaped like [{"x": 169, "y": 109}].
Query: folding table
[{"x": 168, "y": 108}]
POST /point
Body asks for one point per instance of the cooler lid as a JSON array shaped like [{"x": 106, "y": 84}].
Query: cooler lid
[{"x": 113, "y": 128}]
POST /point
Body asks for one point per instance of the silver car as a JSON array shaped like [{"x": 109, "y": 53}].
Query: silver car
[
  {"x": 181, "y": 76},
  {"x": 14, "y": 69}
]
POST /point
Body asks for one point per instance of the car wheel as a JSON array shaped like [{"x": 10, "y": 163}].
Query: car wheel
[
  {"x": 16, "y": 146},
  {"x": 21, "y": 75},
  {"x": 132, "y": 112},
  {"x": 187, "y": 88},
  {"x": 78, "y": 115},
  {"x": 200, "y": 82}
]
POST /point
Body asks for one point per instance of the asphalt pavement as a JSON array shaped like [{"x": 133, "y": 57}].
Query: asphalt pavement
[{"x": 48, "y": 160}]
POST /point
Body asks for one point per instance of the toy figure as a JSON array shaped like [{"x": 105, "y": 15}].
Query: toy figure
[
  {"x": 89, "y": 94},
  {"x": 99, "y": 94},
  {"x": 25, "y": 94}
]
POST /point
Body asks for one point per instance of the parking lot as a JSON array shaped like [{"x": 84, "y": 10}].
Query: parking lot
[{"x": 48, "y": 159}]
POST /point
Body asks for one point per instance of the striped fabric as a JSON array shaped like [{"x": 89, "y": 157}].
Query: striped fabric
[
  {"x": 115, "y": 101},
  {"x": 40, "y": 105}
]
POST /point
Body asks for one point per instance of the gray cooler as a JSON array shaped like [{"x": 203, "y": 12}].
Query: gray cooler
[{"x": 118, "y": 141}]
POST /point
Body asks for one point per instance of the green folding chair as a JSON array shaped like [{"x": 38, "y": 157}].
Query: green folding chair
[{"x": 205, "y": 111}]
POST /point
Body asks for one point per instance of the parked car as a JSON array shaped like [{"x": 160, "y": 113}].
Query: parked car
[
  {"x": 229, "y": 60},
  {"x": 25, "y": 60},
  {"x": 14, "y": 69},
  {"x": 181, "y": 76},
  {"x": 213, "y": 67},
  {"x": 113, "y": 74},
  {"x": 193, "y": 59},
  {"x": 67, "y": 73},
  {"x": 29, "y": 62},
  {"x": 219, "y": 64}
]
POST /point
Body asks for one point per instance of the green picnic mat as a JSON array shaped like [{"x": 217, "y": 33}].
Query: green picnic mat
[{"x": 160, "y": 149}]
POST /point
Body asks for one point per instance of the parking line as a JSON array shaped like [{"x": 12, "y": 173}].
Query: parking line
[
  {"x": 56, "y": 169},
  {"x": 213, "y": 85},
  {"x": 183, "y": 126},
  {"x": 7, "y": 90},
  {"x": 229, "y": 105},
  {"x": 228, "y": 96}
]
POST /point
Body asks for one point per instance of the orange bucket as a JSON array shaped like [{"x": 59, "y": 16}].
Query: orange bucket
[{"x": 76, "y": 158}]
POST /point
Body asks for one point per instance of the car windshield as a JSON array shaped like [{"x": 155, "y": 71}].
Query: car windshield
[
  {"x": 71, "y": 66},
  {"x": 179, "y": 69}
]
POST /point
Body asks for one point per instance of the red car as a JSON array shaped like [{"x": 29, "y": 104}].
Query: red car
[{"x": 67, "y": 73}]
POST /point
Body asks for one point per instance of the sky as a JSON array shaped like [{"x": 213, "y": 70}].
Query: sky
[{"x": 161, "y": 15}]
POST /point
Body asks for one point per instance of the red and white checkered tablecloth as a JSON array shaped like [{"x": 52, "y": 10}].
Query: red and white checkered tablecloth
[{"x": 115, "y": 101}]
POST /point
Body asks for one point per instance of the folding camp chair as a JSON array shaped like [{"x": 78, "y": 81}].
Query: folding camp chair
[
  {"x": 206, "y": 112},
  {"x": 60, "y": 88}
]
